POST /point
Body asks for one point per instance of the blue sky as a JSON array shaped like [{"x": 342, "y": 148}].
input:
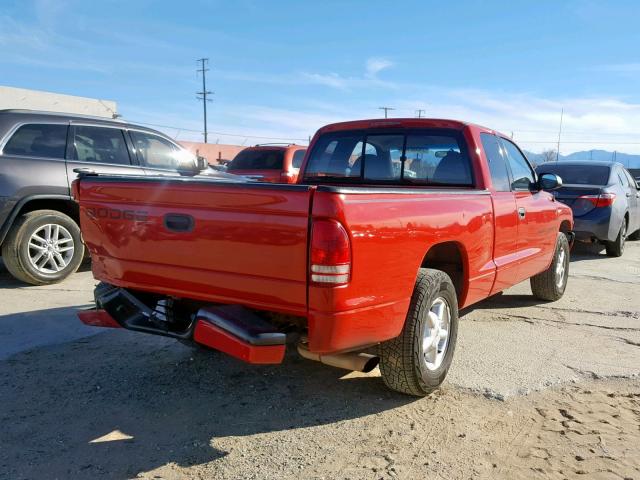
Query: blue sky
[{"x": 283, "y": 69}]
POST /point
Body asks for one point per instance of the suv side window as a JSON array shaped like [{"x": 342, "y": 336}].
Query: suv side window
[
  {"x": 100, "y": 145},
  {"x": 154, "y": 151},
  {"x": 497, "y": 162},
  {"x": 38, "y": 140},
  {"x": 298, "y": 156},
  {"x": 523, "y": 176}
]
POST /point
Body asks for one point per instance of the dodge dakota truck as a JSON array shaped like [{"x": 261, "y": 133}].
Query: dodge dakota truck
[{"x": 392, "y": 228}]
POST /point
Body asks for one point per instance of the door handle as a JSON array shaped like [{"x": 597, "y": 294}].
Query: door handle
[{"x": 522, "y": 212}]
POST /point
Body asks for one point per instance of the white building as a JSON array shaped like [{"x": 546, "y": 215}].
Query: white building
[{"x": 22, "y": 98}]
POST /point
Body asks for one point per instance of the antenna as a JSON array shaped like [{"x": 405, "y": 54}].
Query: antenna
[
  {"x": 420, "y": 112},
  {"x": 204, "y": 93},
  {"x": 559, "y": 135},
  {"x": 386, "y": 110}
]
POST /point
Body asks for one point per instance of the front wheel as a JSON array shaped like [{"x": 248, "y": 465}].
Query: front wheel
[
  {"x": 551, "y": 284},
  {"x": 417, "y": 361},
  {"x": 43, "y": 247}
]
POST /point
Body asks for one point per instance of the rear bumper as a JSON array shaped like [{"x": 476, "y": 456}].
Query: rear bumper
[
  {"x": 596, "y": 224},
  {"x": 229, "y": 329}
]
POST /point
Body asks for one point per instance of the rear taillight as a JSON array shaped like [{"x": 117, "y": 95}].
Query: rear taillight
[
  {"x": 288, "y": 177},
  {"x": 330, "y": 253},
  {"x": 599, "y": 201},
  {"x": 585, "y": 203}
]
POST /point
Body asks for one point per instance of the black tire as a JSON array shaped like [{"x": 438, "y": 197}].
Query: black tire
[
  {"x": 403, "y": 363},
  {"x": 634, "y": 236},
  {"x": 616, "y": 248},
  {"x": 15, "y": 249},
  {"x": 551, "y": 284}
]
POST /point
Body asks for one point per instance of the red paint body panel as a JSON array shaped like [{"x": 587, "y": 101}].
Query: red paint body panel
[
  {"x": 249, "y": 244},
  {"x": 98, "y": 318},
  {"x": 214, "y": 337}
]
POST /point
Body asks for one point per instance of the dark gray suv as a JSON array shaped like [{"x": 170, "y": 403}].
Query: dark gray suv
[{"x": 39, "y": 152}]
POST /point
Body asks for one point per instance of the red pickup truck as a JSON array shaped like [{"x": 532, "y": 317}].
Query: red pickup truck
[{"x": 393, "y": 226}]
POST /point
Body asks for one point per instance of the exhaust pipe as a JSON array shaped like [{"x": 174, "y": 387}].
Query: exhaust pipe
[{"x": 357, "y": 362}]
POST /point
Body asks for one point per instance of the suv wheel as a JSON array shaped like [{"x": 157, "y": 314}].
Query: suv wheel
[{"x": 43, "y": 247}]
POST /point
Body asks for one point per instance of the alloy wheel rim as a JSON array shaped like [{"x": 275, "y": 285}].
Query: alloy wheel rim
[
  {"x": 435, "y": 336},
  {"x": 623, "y": 235},
  {"x": 51, "y": 248}
]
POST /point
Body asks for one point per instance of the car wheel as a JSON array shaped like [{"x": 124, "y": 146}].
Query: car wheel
[
  {"x": 417, "y": 361},
  {"x": 616, "y": 248},
  {"x": 551, "y": 284},
  {"x": 43, "y": 247}
]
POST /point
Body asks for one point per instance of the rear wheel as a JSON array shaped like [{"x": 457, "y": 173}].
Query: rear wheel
[
  {"x": 551, "y": 284},
  {"x": 616, "y": 248},
  {"x": 43, "y": 247},
  {"x": 417, "y": 361}
]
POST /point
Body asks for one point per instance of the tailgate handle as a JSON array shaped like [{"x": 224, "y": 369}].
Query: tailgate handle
[{"x": 179, "y": 222}]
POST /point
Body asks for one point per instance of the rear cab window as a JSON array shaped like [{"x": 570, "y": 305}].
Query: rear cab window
[
  {"x": 38, "y": 140},
  {"x": 437, "y": 157},
  {"x": 259, "y": 159}
]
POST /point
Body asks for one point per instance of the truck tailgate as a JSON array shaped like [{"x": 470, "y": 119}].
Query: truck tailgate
[{"x": 242, "y": 243}]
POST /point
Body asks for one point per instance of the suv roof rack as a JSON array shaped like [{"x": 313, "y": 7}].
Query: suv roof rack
[{"x": 61, "y": 114}]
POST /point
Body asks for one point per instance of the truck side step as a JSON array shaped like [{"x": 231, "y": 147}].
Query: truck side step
[{"x": 238, "y": 332}]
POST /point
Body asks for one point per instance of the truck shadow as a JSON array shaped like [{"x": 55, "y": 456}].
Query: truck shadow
[{"x": 120, "y": 403}]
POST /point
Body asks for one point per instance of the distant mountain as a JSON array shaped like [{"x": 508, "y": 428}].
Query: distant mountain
[{"x": 628, "y": 160}]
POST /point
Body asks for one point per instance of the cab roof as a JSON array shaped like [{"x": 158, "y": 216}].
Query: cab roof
[{"x": 403, "y": 123}]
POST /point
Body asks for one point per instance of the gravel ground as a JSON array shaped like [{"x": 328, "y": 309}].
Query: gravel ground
[{"x": 535, "y": 391}]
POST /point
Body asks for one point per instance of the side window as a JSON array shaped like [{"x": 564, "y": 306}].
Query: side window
[
  {"x": 623, "y": 179},
  {"x": 38, "y": 141},
  {"x": 100, "y": 145},
  {"x": 632, "y": 181},
  {"x": 381, "y": 157},
  {"x": 298, "y": 157},
  {"x": 523, "y": 176},
  {"x": 154, "y": 151},
  {"x": 497, "y": 162}
]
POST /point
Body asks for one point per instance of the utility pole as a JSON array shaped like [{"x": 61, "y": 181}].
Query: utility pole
[
  {"x": 204, "y": 93},
  {"x": 386, "y": 110},
  {"x": 559, "y": 135},
  {"x": 420, "y": 112}
]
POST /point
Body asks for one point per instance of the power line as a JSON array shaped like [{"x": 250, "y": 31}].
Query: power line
[
  {"x": 238, "y": 135},
  {"x": 559, "y": 135},
  {"x": 204, "y": 93}
]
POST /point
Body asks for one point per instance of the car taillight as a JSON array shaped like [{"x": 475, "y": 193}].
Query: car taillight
[
  {"x": 599, "y": 201},
  {"x": 330, "y": 253}
]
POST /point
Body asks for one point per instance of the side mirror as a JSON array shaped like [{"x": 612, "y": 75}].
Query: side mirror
[
  {"x": 201, "y": 163},
  {"x": 549, "y": 182}
]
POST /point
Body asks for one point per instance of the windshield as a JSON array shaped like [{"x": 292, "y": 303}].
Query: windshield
[
  {"x": 423, "y": 157},
  {"x": 262, "y": 159},
  {"x": 578, "y": 174}
]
